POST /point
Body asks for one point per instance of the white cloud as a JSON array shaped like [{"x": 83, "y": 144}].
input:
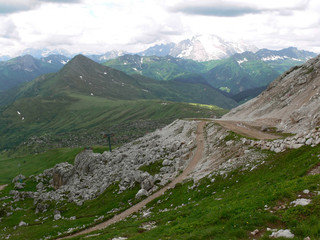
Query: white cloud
[{"x": 132, "y": 25}]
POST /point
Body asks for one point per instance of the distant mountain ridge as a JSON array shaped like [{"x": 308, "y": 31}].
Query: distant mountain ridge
[
  {"x": 246, "y": 72},
  {"x": 238, "y": 73},
  {"x": 26, "y": 68}
]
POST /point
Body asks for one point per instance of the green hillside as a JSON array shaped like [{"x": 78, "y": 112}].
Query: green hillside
[
  {"x": 240, "y": 73},
  {"x": 159, "y": 68},
  {"x": 76, "y": 105}
]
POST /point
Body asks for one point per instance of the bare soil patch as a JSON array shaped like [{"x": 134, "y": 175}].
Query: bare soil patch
[{"x": 3, "y": 186}]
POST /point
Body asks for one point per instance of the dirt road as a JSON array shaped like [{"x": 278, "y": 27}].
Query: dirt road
[
  {"x": 196, "y": 158},
  {"x": 245, "y": 129}
]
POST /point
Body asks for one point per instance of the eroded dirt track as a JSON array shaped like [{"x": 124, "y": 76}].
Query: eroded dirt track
[
  {"x": 195, "y": 159},
  {"x": 246, "y": 129}
]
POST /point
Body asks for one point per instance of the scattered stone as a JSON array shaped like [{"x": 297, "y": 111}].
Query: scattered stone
[
  {"x": 141, "y": 193},
  {"x": 40, "y": 186},
  {"x": 301, "y": 202},
  {"x": 22, "y": 223},
  {"x": 282, "y": 233},
  {"x": 255, "y": 232},
  {"x": 306, "y": 191},
  {"x": 19, "y": 185},
  {"x": 57, "y": 215},
  {"x": 93, "y": 235},
  {"x": 148, "y": 225}
]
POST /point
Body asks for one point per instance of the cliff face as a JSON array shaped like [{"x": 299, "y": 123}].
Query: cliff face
[{"x": 291, "y": 103}]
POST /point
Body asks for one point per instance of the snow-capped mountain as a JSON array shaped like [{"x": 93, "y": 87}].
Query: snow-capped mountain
[
  {"x": 200, "y": 48},
  {"x": 58, "y": 60},
  {"x": 100, "y": 58},
  {"x": 161, "y": 50},
  {"x": 208, "y": 47},
  {"x": 290, "y": 53},
  {"x": 45, "y": 52}
]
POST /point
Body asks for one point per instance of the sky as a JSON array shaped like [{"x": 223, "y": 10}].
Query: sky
[{"x": 98, "y": 26}]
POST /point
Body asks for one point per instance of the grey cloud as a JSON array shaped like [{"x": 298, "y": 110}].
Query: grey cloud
[
  {"x": 219, "y": 11},
  {"x": 7, "y": 7},
  {"x": 232, "y": 9},
  {"x": 61, "y": 1},
  {"x": 13, "y": 6}
]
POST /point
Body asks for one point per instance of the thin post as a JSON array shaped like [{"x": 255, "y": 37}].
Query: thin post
[{"x": 109, "y": 139}]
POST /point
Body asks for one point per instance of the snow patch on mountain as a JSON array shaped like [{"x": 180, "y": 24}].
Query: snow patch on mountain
[
  {"x": 242, "y": 61},
  {"x": 208, "y": 47}
]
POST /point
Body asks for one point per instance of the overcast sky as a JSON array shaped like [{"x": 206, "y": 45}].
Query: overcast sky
[{"x": 96, "y": 26}]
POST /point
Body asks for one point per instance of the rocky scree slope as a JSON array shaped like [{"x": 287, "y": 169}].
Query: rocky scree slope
[
  {"x": 151, "y": 161},
  {"x": 291, "y": 103}
]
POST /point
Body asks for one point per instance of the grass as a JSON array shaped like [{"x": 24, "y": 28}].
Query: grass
[
  {"x": 32, "y": 164},
  {"x": 86, "y": 215},
  {"x": 152, "y": 168},
  {"x": 228, "y": 207},
  {"x": 78, "y": 120},
  {"x": 234, "y": 205}
]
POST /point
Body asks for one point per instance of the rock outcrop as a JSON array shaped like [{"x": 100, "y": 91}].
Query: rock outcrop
[
  {"x": 291, "y": 103},
  {"x": 150, "y": 161}
]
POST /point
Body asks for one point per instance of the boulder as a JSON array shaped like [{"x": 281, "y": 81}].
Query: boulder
[
  {"x": 282, "y": 233},
  {"x": 166, "y": 162},
  {"x": 147, "y": 184},
  {"x": 62, "y": 172},
  {"x": 22, "y": 223},
  {"x": 141, "y": 193},
  {"x": 57, "y": 215},
  {"x": 19, "y": 185},
  {"x": 39, "y": 186},
  {"x": 309, "y": 141},
  {"x": 86, "y": 162}
]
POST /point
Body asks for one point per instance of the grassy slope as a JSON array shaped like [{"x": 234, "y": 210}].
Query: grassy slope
[
  {"x": 27, "y": 165},
  {"x": 233, "y": 206},
  {"x": 74, "y": 106},
  {"x": 159, "y": 68},
  {"x": 228, "y": 73},
  {"x": 229, "y": 208},
  {"x": 89, "y": 115}
]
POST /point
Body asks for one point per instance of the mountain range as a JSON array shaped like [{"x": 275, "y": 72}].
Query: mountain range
[
  {"x": 85, "y": 96},
  {"x": 253, "y": 174},
  {"x": 238, "y": 69},
  {"x": 242, "y": 72}
]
